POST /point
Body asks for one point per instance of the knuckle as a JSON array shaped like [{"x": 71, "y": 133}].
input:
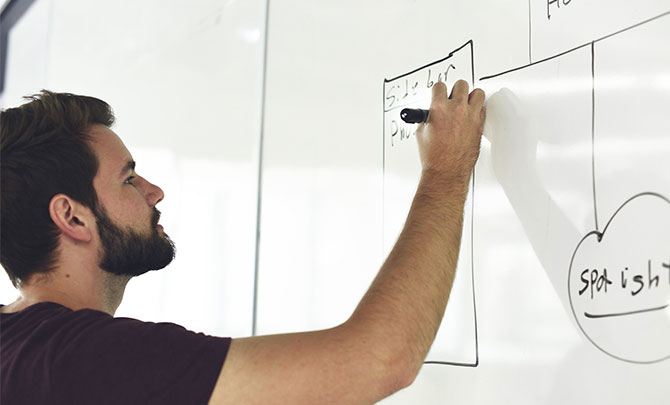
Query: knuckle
[
  {"x": 460, "y": 109},
  {"x": 438, "y": 105},
  {"x": 439, "y": 110}
]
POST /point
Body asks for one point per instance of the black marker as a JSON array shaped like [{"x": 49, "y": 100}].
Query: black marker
[{"x": 414, "y": 115}]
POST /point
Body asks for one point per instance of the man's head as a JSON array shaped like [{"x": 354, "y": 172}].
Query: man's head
[
  {"x": 127, "y": 219},
  {"x": 59, "y": 159}
]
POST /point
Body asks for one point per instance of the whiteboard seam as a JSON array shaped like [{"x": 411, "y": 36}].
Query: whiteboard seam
[
  {"x": 593, "y": 132},
  {"x": 530, "y": 34},
  {"x": 254, "y": 321}
]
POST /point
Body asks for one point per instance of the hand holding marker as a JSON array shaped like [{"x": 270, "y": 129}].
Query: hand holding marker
[{"x": 414, "y": 115}]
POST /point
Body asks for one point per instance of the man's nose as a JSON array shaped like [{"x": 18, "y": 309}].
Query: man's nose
[{"x": 154, "y": 194}]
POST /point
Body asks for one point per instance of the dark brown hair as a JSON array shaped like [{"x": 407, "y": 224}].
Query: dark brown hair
[{"x": 44, "y": 150}]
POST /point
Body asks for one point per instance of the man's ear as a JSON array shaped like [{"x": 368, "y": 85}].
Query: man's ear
[{"x": 71, "y": 217}]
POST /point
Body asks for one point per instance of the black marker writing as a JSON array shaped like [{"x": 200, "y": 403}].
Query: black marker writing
[
  {"x": 656, "y": 278},
  {"x": 430, "y": 82},
  {"x": 597, "y": 281},
  {"x": 446, "y": 72},
  {"x": 403, "y": 92},
  {"x": 406, "y": 132},
  {"x": 638, "y": 279},
  {"x": 391, "y": 98},
  {"x": 558, "y": 5},
  {"x": 416, "y": 84},
  {"x": 400, "y": 128}
]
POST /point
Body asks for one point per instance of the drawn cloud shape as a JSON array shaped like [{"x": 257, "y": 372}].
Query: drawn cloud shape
[{"x": 619, "y": 282}]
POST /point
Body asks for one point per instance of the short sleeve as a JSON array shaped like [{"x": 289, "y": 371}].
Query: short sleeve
[{"x": 104, "y": 360}]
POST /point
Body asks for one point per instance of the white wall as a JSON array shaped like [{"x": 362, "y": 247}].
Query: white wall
[
  {"x": 184, "y": 79},
  {"x": 25, "y": 74}
]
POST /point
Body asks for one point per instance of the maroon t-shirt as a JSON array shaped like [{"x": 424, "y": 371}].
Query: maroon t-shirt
[{"x": 50, "y": 354}]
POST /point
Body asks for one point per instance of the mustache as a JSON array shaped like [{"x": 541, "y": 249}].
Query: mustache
[{"x": 156, "y": 217}]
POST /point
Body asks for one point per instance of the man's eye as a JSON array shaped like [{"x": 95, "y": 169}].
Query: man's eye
[{"x": 129, "y": 180}]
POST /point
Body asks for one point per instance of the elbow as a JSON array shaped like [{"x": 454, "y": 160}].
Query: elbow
[
  {"x": 407, "y": 374},
  {"x": 389, "y": 362},
  {"x": 401, "y": 369},
  {"x": 399, "y": 381}
]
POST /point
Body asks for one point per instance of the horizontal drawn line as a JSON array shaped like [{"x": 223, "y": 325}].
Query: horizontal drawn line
[
  {"x": 633, "y": 26},
  {"x": 577, "y": 47},
  {"x": 535, "y": 63},
  {"x": 449, "y": 363},
  {"x": 451, "y": 54},
  {"x": 406, "y": 104},
  {"x": 639, "y": 311}
]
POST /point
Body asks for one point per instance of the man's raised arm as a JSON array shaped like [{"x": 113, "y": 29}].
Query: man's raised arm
[{"x": 381, "y": 347}]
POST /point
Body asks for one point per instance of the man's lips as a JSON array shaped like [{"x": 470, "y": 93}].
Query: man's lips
[{"x": 156, "y": 218}]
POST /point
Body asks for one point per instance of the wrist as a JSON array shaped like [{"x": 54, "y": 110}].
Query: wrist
[{"x": 439, "y": 182}]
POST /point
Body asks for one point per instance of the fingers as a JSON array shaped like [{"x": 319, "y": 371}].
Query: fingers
[
  {"x": 439, "y": 92},
  {"x": 460, "y": 91},
  {"x": 476, "y": 99},
  {"x": 482, "y": 119}
]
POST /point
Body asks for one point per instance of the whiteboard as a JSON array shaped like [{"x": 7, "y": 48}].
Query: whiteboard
[
  {"x": 572, "y": 180},
  {"x": 572, "y": 177}
]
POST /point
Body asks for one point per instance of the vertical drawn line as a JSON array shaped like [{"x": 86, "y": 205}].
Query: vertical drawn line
[
  {"x": 472, "y": 267},
  {"x": 470, "y": 43},
  {"x": 383, "y": 168},
  {"x": 530, "y": 34},
  {"x": 593, "y": 131},
  {"x": 472, "y": 226},
  {"x": 472, "y": 223},
  {"x": 472, "y": 61},
  {"x": 254, "y": 320},
  {"x": 11, "y": 12}
]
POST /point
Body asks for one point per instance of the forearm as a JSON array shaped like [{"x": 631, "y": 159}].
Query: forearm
[
  {"x": 382, "y": 346},
  {"x": 400, "y": 314},
  {"x": 404, "y": 306}
]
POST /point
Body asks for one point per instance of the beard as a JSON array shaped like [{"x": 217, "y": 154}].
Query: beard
[{"x": 130, "y": 253}]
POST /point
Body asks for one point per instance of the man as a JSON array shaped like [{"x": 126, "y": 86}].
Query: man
[{"x": 77, "y": 223}]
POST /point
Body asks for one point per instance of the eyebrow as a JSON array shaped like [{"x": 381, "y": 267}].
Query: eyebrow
[{"x": 130, "y": 165}]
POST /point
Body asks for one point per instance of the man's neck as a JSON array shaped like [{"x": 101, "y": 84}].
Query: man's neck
[{"x": 103, "y": 293}]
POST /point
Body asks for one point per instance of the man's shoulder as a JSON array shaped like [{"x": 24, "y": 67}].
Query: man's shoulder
[
  {"x": 35, "y": 313},
  {"x": 16, "y": 308}
]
